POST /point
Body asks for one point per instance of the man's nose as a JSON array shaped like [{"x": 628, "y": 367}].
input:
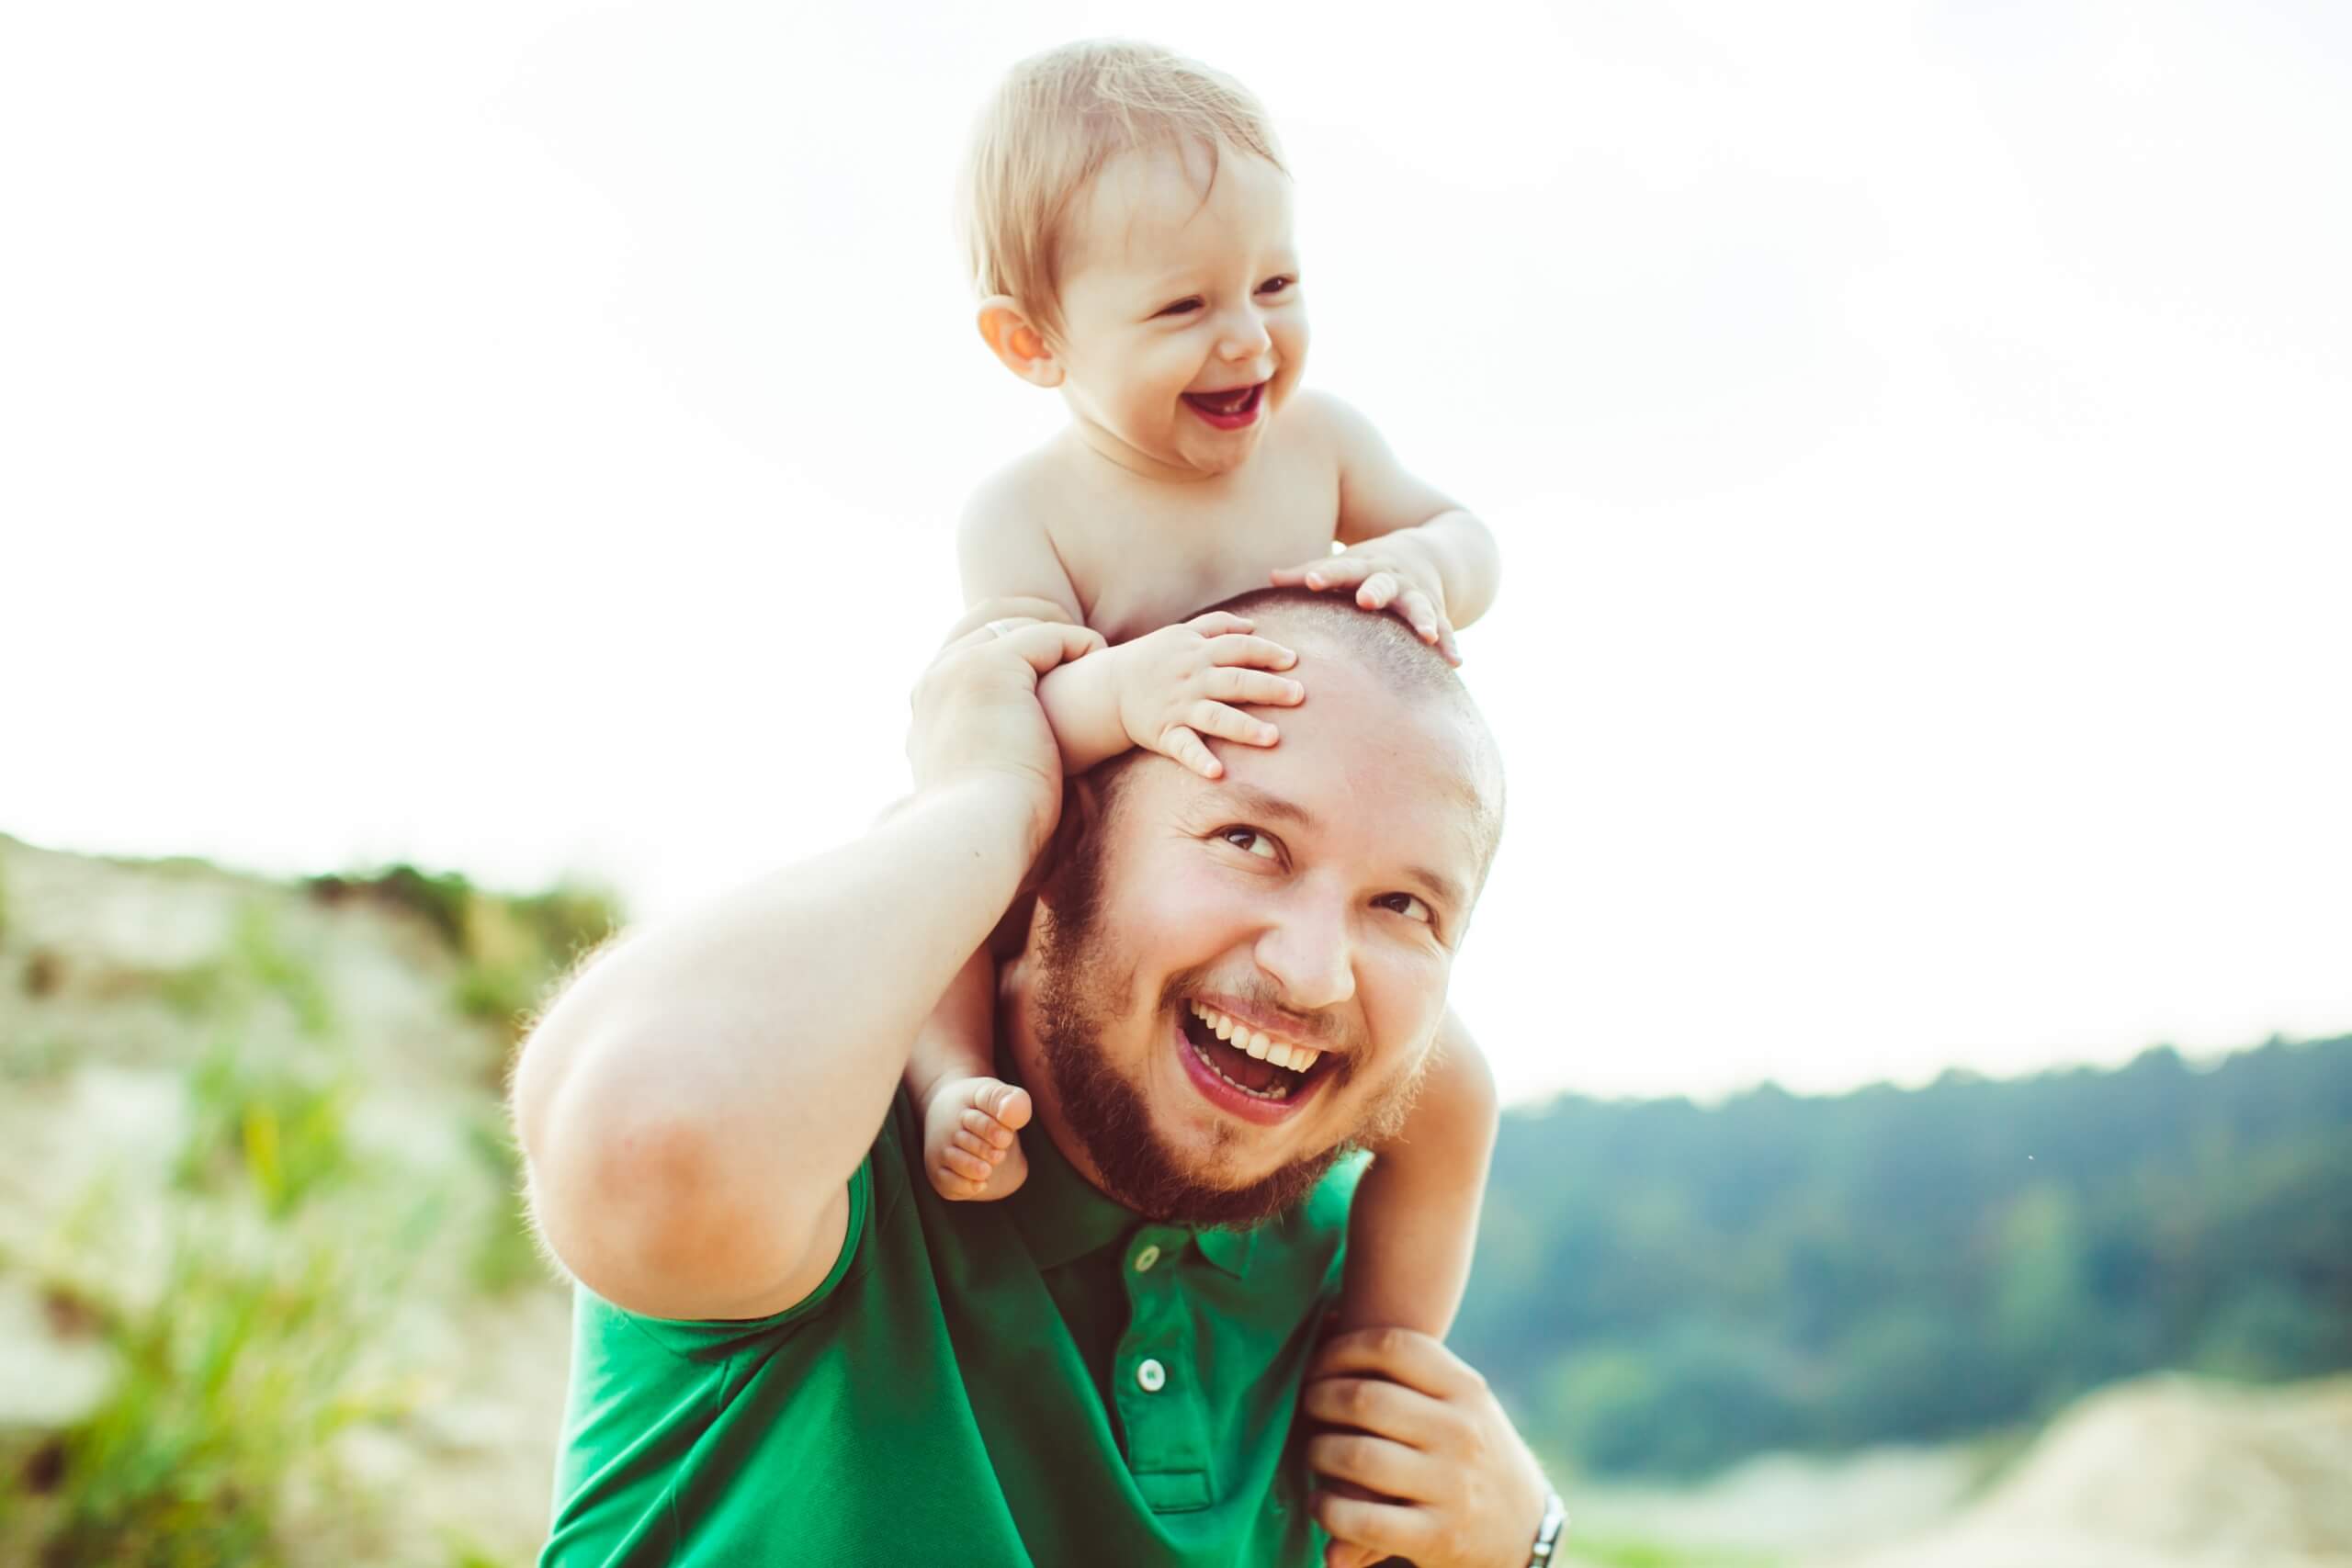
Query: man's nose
[{"x": 1310, "y": 952}]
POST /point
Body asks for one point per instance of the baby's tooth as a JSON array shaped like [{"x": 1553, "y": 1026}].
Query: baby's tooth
[{"x": 1258, "y": 1043}]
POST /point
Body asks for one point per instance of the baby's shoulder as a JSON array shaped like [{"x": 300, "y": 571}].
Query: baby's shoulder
[
  {"x": 1027, "y": 496},
  {"x": 1330, "y": 424}
]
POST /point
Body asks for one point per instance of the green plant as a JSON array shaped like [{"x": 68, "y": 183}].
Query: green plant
[
  {"x": 268, "y": 1124},
  {"x": 240, "y": 1368},
  {"x": 506, "y": 1255},
  {"x": 257, "y": 964}
]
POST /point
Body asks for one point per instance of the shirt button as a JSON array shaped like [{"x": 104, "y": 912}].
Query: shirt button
[
  {"x": 1146, "y": 1258},
  {"x": 1150, "y": 1376}
]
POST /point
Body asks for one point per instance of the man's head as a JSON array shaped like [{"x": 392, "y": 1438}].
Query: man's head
[
  {"x": 1315, "y": 895},
  {"x": 1128, "y": 219}
]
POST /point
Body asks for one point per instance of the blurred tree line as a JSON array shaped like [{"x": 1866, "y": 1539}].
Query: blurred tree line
[{"x": 1662, "y": 1288}]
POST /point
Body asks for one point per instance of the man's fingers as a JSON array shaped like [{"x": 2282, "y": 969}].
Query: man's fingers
[
  {"x": 1047, "y": 643},
  {"x": 1399, "y": 1354},
  {"x": 1390, "y": 1528},
  {"x": 1374, "y": 1405},
  {"x": 1230, "y": 686},
  {"x": 1006, "y": 609},
  {"x": 1258, "y": 652},
  {"x": 1376, "y": 1463}
]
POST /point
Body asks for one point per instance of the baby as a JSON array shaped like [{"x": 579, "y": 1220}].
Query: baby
[{"x": 1130, "y": 220}]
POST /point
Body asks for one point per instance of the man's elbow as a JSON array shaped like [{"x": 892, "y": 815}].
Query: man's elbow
[{"x": 630, "y": 1190}]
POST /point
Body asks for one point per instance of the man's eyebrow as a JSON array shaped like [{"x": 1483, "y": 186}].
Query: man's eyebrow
[
  {"x": 1448, "y": 891},
  {"x": 1272, "y": 807}
]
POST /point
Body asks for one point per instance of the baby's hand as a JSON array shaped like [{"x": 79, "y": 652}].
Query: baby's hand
[
  {"x": 1179, "y": 682},
  {"x": 968, "y": 1138},
  {"x": 1387, "y": 573}
]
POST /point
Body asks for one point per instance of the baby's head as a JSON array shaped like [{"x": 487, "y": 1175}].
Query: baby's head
[{"x": 1128, "y": 219}]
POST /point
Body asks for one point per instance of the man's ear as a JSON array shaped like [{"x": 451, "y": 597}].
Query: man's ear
[
  {"x": 1018, "y": 342},
  {"x": 1081, "y": 815}
]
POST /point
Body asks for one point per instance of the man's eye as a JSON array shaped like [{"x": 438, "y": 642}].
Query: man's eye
[
  {"x": 1276, "y": 285},
  {"x": 1248, "y": 841},
  {"x": 1405, "y": 903},
  {"x": 1181, "y": 307}
]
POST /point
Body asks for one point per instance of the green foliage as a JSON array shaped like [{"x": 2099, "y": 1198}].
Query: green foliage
[
  {"x": 1667, "y": 1288},
  {"x": 509, "y": 949},
  {"x": 267, "y": 1125},
  {"x": 506, "y": 1257},
  {"x": 257, "y": 967},
  {"x": 239, "y": 1367}
]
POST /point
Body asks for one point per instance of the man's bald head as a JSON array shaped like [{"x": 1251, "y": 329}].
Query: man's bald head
[{"x": 1329, "y": 626}]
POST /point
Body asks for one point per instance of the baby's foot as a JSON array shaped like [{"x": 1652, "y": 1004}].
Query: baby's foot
[{"x": 968, "y": 1138}]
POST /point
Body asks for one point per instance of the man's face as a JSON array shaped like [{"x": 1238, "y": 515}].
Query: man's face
[
  {"x": 1314, "y": 896},
  {"x": 1184, "y": 328}
]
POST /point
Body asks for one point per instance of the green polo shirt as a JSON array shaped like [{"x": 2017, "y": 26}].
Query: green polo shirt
[{"x": 1046, "y": 1379}]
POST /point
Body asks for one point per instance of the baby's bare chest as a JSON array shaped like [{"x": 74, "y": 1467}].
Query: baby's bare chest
[{"x": 1145, "y": 561}]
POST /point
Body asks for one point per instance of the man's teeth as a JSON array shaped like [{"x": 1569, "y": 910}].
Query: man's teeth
[{"x": 1256, "y": 1042}]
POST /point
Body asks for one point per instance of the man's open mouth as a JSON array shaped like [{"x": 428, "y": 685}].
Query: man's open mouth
[
  {"x": 1248, "y": 1060},
  {"x": 1230, "y": 409}
]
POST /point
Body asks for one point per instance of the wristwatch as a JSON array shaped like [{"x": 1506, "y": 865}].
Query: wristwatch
[{"x": 1548, "y": 1533}]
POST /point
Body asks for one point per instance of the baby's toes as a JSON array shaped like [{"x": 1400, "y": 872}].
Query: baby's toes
[
  {"x": 979, "y": 1125},
  {"x": 1007, "y": 1104}
]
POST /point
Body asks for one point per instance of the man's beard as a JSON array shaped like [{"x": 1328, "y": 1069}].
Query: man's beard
[{"x": 1073, "y": 1006}]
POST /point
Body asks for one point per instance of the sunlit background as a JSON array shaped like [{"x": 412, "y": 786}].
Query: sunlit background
[
  {"x": 522, "y": 442},
  {"x": 527, "y": 439}
]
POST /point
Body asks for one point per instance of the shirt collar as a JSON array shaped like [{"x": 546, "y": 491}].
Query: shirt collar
[{"x": 1063, "y": 1216}]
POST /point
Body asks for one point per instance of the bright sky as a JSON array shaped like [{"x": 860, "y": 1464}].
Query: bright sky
[{"x": 526, "y": 438}]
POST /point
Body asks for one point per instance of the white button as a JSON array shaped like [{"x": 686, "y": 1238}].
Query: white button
[
  {"x": 1151, "y": 1377},
  {"x": 1146, "y": 1258}
]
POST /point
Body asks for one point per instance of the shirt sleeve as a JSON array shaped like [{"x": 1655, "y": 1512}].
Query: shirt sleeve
[{"x": 718, "y": 1338}]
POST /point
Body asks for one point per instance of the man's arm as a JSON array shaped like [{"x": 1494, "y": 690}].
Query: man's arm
[{"x": 691, "y": 1110}]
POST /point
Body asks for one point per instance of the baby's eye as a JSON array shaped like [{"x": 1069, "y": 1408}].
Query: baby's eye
[
  {"x": 1181, "y": 307},
  {"x": 1405, "y": 903},
  {"x": 1248, "y": 841},
  {"x": 1276, "y": 285}
]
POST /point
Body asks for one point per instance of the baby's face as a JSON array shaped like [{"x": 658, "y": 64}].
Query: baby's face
[{"x": 1184, "y": 328}]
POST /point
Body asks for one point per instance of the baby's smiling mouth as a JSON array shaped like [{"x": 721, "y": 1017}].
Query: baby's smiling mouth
[{"x": 1235, "y": 402}]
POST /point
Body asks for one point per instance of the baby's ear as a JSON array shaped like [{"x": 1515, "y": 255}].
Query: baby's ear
[{"x": 1016, "y": 340}]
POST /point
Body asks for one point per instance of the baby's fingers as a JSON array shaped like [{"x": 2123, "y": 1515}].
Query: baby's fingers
[
  {"x": 1378, "y": 591},
  {"x": 1208, "y": 718},
  {"x": 1180, "y": 744},
  {"x": 1252, "y": 686},
  {"x": 1262, "y": 653},
  {"x": 1336, "y": 573}
]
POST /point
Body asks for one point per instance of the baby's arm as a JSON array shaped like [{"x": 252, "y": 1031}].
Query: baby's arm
[
  {"x": 1415, "y": 1222},
  {"x": 1409, "y": 546}
]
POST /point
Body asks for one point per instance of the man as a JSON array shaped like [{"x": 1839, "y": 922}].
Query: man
[{"x": 789, "y": 1349}]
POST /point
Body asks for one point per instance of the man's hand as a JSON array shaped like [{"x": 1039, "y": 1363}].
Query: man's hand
[
  {"x": 1390, "y": 574},
  {"x": 1181, "y": 682},
  {"x": 1458, "y": 1489},
  {"x": 976, "y": 711}
]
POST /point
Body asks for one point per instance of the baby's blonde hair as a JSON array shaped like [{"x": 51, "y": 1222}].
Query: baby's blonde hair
[{"x": 1058, "y": 118}]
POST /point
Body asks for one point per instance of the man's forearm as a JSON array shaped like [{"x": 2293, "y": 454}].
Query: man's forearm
[
  {"x": 734, "y": 1064},
  {"x": 1462, "y": 550}
]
